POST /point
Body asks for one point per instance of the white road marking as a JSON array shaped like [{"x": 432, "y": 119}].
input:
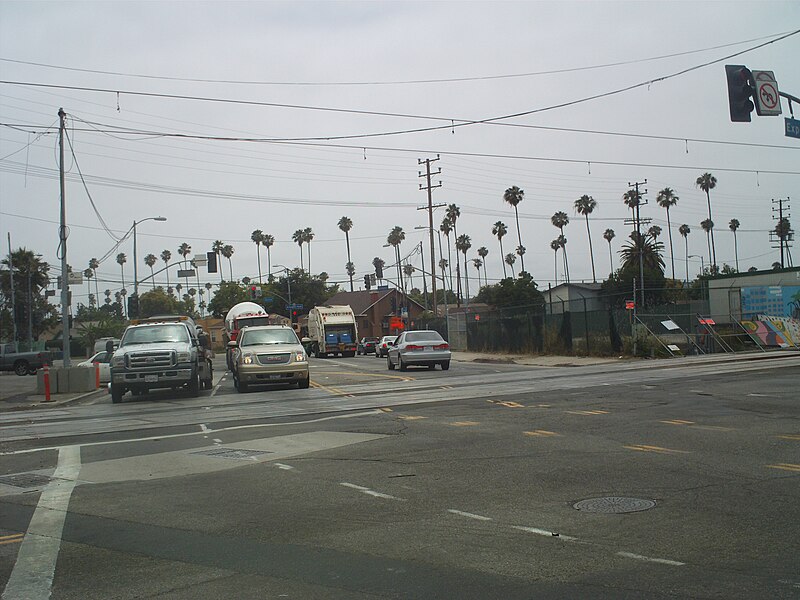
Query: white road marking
[
  {"x": 545, "y": 533},
  {"x": 369, "y": 492},
  {"x": 662, "y": 561},
  {"x": 284, "y": 467},
  {"x": 468, "y": 515},
  {"x": 217, "y": 441},
  {"x": 32, "y": 576},
  {"x": 203, "y": 428},
  {"x": 189, "y": 434}
]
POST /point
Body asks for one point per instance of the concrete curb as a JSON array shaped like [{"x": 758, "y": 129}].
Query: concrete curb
[{"x": 53, "y": 403}]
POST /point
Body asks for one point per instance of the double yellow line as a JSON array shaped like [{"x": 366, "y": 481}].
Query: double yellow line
[
  {"x": 14, "y": 538},
  {"x": 330, "y": 390}
]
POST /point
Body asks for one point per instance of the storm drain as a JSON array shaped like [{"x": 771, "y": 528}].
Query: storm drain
[
  {"x": 614, "y": 505},
  {"x": 234, "y": 453},
  {"x": 25, "y": 480}
]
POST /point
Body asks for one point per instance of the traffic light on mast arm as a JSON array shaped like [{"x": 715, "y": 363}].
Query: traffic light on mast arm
[
  {"x": 740, "y": 90},
  {"x": 367, "y": 281}
]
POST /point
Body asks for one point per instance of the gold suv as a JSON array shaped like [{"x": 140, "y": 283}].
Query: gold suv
[{"x": 268, "y": 354}]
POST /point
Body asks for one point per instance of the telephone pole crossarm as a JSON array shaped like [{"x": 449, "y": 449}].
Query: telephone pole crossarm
[{"x": 429, "y": 188}]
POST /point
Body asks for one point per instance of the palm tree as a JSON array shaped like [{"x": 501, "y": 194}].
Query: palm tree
[
  {"x": 150, "y": 260},
  {"x": 346, "y": 224},
  {"x": 92, "y": 299},
  {"x": 499, "y": 229},
  {"x": 395, "y": 238},
  {"x": 554, "y": 246},
  {"x": 94, "y": 264},
  {"x": 408, "y": 270},
  {"x": 308, "y": 235},
  {"x": 453, "y": 212},
  {"x": 463, "y": 244},
  {"x": 520, "y": 250},
  {"x": 178, "y": 288},
  {"x": 514, "y": 196},
  {"x": 166, "y": 255},
  {"x": 216, "y": 248},
  {"x": 654, "y": 231},
  {"x": 298, "y": 237},
  {"x": 708, "y": 182},
  {"x": 645, "y": 246},
  {"x": 632, "y": 199},
  {"x": 561, "y": 220},
  {"x": 708, "y": 227},
  {"x": 609, "y": 235},
  {"x": 585, "y": 205},
  {"x": 483, "y": 252},
  {"x": 108, "y": 296},
  {"x": 562, "y": 243},
  {"x": 447, "y": 228},
  {"x": 268, "y": 241},
  {"x": 227, "y": 252},
  {"x": 685, "y": 231},
  {"x": 667, "y": 199},
  {"x": 734, "y": 225},
  {"x": 88, "y": 274},
  {"x": 258, "y": 236},
  {"x": 184, "y": 250},
  {"x": 351, "y": 270},
  {"x": 121, "y": 260},
  {"x": 478, "y": 263},
  {"x": 510, "y": 260}
]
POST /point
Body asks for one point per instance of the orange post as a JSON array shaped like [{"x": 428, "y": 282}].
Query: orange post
[
  {"x": 97, "y": 375},
  {"x": 46, "y": 383}
]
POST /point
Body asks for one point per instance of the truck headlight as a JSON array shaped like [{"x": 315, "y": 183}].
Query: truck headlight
[
  {"x": 183, "y": 357},
  {"x": 300, "y": 357},
  {"x": 247, "y": 358},
  {"x": 118, "y": 361}
]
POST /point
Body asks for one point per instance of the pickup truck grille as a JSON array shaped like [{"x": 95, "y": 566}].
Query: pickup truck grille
[
  {"x": 153, "y": 359},
  {"x": 274, "y": 359}
]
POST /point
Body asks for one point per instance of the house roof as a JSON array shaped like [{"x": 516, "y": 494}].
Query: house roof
[
  {"x": 361, "y": 300},
  {"x": 592, "y": 287}
]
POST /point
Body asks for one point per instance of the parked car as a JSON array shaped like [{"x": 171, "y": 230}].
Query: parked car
[
  {"x": 104, "y": 359},
  {"x": 22, "y": 363},
  {"x": 268, "y": 354},
  {"x": 367, "y": 345},
  {"x": 424, "y": 348},
  {"x": 382, "y": 347}
]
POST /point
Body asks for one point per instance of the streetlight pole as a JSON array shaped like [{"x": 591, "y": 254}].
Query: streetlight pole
[
  {"x": 702, "y": 262},
  {"x": 135, "y": 261},
  {"x": 62, "y": 234}
]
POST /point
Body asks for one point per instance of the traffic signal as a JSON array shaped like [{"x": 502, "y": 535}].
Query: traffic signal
[
  {"x": 293, "y": 319},
  {"x": 740, "y": 90},
  {"x": 253, "y": 292},
  {"x": 366, "y": 281},
  {"x": 133, "y": 306},
  {"x": 212, "y": 261},
  {"x": 379, "y": 271}
]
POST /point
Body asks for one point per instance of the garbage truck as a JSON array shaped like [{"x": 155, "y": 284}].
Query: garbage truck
[{"x": 332, "y": 330}]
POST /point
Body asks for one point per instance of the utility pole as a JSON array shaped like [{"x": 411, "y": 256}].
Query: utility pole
[
  {"x": 62, "y": 233},
  {"x": 30, "y": 313},
  {"x": 425, "y": 281},
  {"x": 429, "y": 187},
  {"x": 782, "y": 231},
  {"x": 13, "y": 300},
  {"x": 639, "y": 238}
]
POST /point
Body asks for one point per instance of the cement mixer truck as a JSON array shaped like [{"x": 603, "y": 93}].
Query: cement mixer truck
[{"x": 244, "y": 314}]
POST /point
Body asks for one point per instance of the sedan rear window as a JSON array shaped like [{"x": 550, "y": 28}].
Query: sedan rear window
[{"x": 423, "y": 336}]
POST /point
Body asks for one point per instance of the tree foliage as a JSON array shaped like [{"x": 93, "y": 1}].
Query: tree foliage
[{"x": 522, "y": 291}]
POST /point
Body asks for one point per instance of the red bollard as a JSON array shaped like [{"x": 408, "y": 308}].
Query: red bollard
[
  {"x": 97, "y": 375},
  {"x": 46, "y": 383}
]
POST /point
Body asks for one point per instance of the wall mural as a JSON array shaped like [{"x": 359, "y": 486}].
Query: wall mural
[
  {"x": 775, "y": 331},
  {"x": 772, "y": 300}
]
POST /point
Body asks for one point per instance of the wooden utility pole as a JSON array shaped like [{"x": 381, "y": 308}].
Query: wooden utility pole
[
  {"x": 429, "y": 187},
  {"x": 62, "y": 234},
  {"x": 640, "y": 239}
]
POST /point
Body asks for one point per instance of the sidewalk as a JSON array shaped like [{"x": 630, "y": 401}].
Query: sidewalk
[
  {"x": 533, "y": 360},
  {"x": 32, "y": 400}
]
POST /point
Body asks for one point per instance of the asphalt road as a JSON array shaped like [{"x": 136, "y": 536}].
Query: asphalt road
[{"x": 417, "y": 484}]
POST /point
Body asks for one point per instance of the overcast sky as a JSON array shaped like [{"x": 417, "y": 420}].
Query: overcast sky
[{"x": 224, "y": 190}]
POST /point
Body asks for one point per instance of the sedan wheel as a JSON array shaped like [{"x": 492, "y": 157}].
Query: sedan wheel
[{"x": 389, "y": 363}]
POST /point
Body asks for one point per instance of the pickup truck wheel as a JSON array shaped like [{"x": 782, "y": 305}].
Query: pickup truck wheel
[
  {"x": 194, "y": 386},
  {"x": 117, "y": 393},
  {"x": 241, "y": 387},
  {"x": 21, "y": 367}
]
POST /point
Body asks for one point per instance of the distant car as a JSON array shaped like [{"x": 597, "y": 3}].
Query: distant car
[
  {"x": 266, "y": 354},
  {"x": 104, "y": 358},
  {"x": 424, "y": 348},
  {"x": 367, "y": 345},
  {"x": 382, "y": 347}
]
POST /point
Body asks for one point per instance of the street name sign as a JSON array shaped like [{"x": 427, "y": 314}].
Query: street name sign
[
  {"x": 185, "y": 273},
  {"x": 792, "y": 127}
]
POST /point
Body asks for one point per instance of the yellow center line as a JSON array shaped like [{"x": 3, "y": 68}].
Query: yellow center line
[
  {"x": 386, "y": 409},
  {"x": 540, "y": 433},
  {"x": 677, "y": 422},
  {"x": 13, "y": 535},
  {"x": 411, "y": 417},
  {"x": 464, "y": 423},
  {"x": 401, "y": 377},
  {"x": 656, "y": 449},
  {"x": 790, "y": 437},
  {"x": 330, "y": 390},
  {"x": 786, "y": 467},
  {"x": 587, "y": 412},
  {"x": 14, "y": 541}
]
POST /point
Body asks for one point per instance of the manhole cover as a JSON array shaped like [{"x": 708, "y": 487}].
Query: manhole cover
[
  {"x": 614, "y": 505},
  {"x": 235, "y": 453},
  {"x": 25, "y": 480}
]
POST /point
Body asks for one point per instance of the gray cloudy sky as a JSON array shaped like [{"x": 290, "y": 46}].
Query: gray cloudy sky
[{"x": 287, "y": 43}]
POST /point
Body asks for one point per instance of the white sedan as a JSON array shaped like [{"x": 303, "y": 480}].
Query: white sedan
[
  {"x": 423, "y": 348},
  {"x": 104, "y": 359}
]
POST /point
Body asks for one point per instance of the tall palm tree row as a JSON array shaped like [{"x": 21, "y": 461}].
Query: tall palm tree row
[
  {"x": 268, "y": 241},
  {"x": 308, "y": 235},
  {"x": 708, "y": 182},
  {"x": 453, "y": 212},
  {"x": 184, "y": 250},
  {"x": 609, "y": 235},
  {"x": 394, "y": 239},
  {"x": 463, "y": 244},
  {"x": 499, "y": 230},
  {"x": 667, "y": 199},
  {"x": 483, "y": 252},
  {"x": 227, "y": 252},
  {"x": 299, "y": 238},
  {"x": 216, "y": 248},
  {"x": 478, "y": 263},
  {"x": 561, "y": 220},
  {"x": 554, "y": 246},
  {"x": 150, "y": 260},
  {"x": 684, "y": 230},
  {"x": 346, "y": 224},
  {"x": 257, "y": 237},
  {"x": 166, "y": 256},
  {"x": 733, "y": 225},
  {"x": 585, "y": 206},
  {"x": 514, "y": 196},
  {"x": 708, "y": 227},
  {"x": 447, "y": 228}
]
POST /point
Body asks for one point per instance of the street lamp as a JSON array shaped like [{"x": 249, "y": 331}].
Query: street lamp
[
  {"x": 702, "y": 262},
  {"x": 135, "y": 262}
]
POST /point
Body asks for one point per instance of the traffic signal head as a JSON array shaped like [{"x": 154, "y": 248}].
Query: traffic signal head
[
  {"x": 253, "y": 291},
  {"x": 740, "y": 90},
  {"x": 379, "y": 272},
  {"x": 366, "y": 281}
]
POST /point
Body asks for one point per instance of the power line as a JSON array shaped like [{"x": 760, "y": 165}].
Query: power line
[{"x": 397, "y": 82}]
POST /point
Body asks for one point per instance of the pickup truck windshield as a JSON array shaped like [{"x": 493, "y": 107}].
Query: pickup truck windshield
[
  {"x": 155, "y": 334},
  {"x": 258, "y": 337}
]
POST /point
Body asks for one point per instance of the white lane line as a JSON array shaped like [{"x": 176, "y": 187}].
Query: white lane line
[
  {"x": 662, "y": 561},
  {"x": 188, "y": 434},
  {"x": 369, "y": 492},
  {"x": 284, "y": 467},
  {"x": 32, "y": 576},
  {"x": 545, "y": 533},
  {"x": 217, "y": 441},
  {"x": 468, "y": 515},
  {"x": 216, "y": 388}
]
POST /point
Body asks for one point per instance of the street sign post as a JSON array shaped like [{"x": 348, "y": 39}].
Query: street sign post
[
  {"x": 766, "y": 98},
  {"x": 792, "y": 127}
]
